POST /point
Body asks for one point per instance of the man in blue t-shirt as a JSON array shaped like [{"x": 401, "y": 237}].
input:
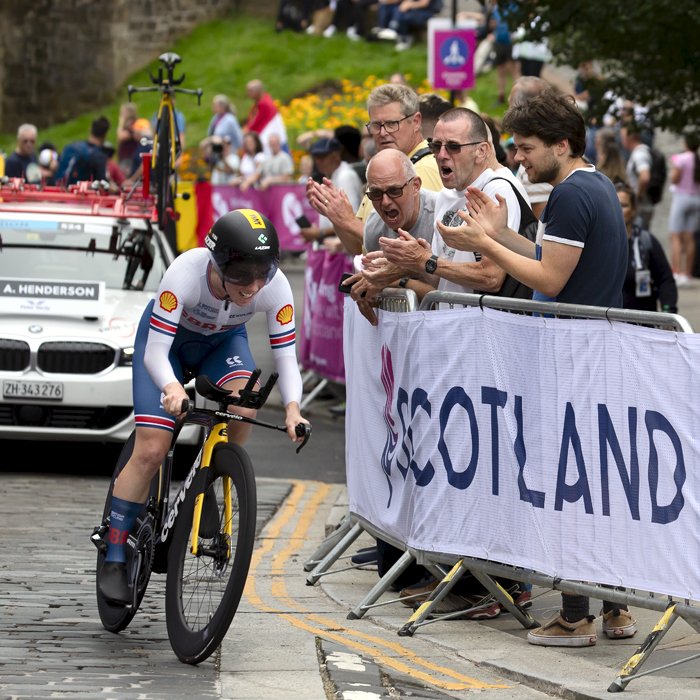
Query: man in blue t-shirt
[
  {"x": 580, "y": 257},
  {"x": 16, "y": 164}
]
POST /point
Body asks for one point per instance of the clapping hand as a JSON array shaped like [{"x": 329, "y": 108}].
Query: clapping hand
[
  {"x": 406, "y": 251},
  {"x": 491, "y": 216},
  {"x": 469, "y": 237}
]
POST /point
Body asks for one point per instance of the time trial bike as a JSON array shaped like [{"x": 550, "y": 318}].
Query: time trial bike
[
  {"x": 166, "y": 143},
  {"x": 204, "y": 539}
]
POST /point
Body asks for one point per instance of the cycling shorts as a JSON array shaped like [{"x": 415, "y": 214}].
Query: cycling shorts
[{"x": 221, "y": 356}]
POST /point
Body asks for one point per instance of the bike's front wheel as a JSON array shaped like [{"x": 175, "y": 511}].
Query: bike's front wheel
[
  {"x": 203, "y": 590},
  {"x": 163, "y": 158}
]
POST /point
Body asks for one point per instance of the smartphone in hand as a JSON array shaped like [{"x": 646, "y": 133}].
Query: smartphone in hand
[
  {"x": 303, "y": 222},
  {"x": 345, "y": 289}
]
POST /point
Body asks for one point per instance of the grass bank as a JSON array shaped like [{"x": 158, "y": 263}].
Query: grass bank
[{"x": 222, "y": 56}]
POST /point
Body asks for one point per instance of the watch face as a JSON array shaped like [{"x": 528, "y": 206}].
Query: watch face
[{"x": 431, "y": 265}]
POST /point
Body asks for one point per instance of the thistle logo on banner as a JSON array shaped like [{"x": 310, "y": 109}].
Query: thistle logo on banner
[
  {"x": 392, "y": 435},
  {"x": 419, "y": 400}
]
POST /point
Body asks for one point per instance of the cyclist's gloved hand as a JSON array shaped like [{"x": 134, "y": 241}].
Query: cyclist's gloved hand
[
  {"x": 293, "y": 419},
  {"x": 174, "y": 394}
]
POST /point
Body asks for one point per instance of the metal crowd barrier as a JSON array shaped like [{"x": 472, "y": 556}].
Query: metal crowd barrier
[{"x": 449, "y": 568}]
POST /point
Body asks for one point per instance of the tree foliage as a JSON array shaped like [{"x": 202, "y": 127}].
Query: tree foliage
[{"x": 649, "y": 49}]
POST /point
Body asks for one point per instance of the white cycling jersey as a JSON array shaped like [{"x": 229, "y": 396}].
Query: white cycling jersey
[{"x": 186, "y": 298}]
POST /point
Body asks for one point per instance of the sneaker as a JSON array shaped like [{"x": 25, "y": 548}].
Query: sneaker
[
  {"x": 387, "y": 34},
  {"x": 329, "y": 31},
  {"x": 472, "y": 607},
  {"x": 619, "y": 624},
  {"x": 352, "y": 34},
  {"x": 424, "y": 588},
  {"x": 560, "y": 633},
  {"x": 520, "y": 597},
  {"x": 311, "y": 29},
  {"x": 366, "y": 555},
  {"x": 682, "y": 280},
  {"x": 112, "y": 585},
  {"x": 404, "y": 44}
]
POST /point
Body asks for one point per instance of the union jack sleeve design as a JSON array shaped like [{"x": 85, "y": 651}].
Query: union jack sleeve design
[
  {"x": 282, "y": 340},
  {"x": 146, "y": 421},
  {"x": 162, "y": 325}
]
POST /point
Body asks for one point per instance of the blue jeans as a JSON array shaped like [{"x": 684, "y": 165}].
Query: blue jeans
[{"x": 403, "y": 21}]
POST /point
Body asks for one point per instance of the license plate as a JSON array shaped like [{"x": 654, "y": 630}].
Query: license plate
[{"x": 22, "y": 389}]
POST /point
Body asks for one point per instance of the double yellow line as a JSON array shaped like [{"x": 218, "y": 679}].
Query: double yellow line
[{"x": 408, "y": 662}]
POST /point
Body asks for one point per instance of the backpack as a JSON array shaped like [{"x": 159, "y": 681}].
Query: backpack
[
  {"x": 73, "y": 166},
  {"x": 528, "y": 228},
  {"x": 657, "y": 176},
  {"x": 419, "y": 154}
]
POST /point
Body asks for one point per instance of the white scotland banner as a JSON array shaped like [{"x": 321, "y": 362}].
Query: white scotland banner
[{"x": 571, "y": 447}]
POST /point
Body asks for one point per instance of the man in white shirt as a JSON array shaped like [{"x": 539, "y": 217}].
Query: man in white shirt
[
  {"x": 461, "y": 148},
  {"x": 326, "y": 153},
  {"x": 638, "y": 169}
]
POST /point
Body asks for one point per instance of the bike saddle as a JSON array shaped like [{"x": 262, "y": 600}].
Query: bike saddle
[
  {"x": 169, "y": 58},
  {"x": 206, "y": 388}
]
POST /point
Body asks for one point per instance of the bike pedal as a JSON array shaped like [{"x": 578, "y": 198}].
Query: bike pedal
[{"x": 97, "y": 538}]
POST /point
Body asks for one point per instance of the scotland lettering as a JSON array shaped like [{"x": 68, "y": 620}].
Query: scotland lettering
[{"x": 573, "y": 476}]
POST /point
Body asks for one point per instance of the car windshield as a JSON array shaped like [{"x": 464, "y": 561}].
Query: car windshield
[{"x": 121, "y": 257}]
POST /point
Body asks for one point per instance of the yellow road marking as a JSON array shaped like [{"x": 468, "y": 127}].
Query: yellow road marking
[
  {"x": 298, "y": 537},
  {"x": 278, "y": 590},
  {"x": 399, "y": 649},
  {"x": 470, "y": 683}
]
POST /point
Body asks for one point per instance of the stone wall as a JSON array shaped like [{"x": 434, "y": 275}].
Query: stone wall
[{"x": 59, "y": 58}]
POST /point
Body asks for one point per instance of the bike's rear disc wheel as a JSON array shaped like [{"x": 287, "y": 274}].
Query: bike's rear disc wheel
[
  {"x": 116, "y": 619},
  {"x": 162, "y": 166},
  {"x": 203, "y": 591}
]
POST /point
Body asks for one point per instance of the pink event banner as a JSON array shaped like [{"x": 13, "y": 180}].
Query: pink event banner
[
  {"x": 282, "y": 204},
  {"x": 453, "y": 57},
  {"x": 321, "y": 338}
]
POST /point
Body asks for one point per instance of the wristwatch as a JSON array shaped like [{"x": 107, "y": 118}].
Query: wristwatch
[
  {"x": 431, "y": 265},
  {"x": 403, "y": 282}
]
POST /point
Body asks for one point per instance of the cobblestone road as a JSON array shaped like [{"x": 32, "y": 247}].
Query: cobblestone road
[{"x": 52, "y": 643}]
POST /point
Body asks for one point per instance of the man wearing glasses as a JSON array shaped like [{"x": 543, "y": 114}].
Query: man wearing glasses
[
  {"x": 395, "y": 123},
  {"x": 461, "y": 148},
  {"x": 16, "y": 164}
]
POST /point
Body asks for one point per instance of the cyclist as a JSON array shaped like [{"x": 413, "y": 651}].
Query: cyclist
[{"x": 197, "y": 321}]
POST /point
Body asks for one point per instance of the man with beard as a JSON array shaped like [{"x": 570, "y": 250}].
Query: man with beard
[{"x": 579, "y": 257}]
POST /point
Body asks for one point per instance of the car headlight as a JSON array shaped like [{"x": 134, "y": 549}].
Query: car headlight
[{"x": 125, "y": 357}]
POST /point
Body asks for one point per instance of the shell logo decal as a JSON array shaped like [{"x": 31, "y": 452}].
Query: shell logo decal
[
  {"x": 285, "y": 314},
  {"x": 168, "y": 301}
]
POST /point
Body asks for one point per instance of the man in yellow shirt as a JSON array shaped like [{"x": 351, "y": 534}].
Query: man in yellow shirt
[{"x": 395, "y": 122}]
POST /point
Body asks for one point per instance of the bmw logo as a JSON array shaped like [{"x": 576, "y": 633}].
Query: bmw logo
[{"x": 35, "y": 329}]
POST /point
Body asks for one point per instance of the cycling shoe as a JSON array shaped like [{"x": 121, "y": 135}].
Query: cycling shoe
[
  {"x": 209, "y": 522},
  {"x": 112, "y": 585}
]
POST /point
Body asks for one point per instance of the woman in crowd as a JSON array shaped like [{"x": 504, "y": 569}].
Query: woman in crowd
[
  {"x": 251, "y": 160},
  {"x": 224, "y": 123},
  {"x": 649, "y": 282},
  {"x": 610, "y": 161},
  {"x": 685, "y": 208}
]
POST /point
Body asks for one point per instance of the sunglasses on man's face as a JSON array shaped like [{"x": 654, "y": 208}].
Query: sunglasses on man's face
[
  {"x": 395, "y": 192},
  {"x": 452, "y": 148}
]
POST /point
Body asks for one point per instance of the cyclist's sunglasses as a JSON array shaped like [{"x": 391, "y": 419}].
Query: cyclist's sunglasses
[
  {"x": 452, "y": 148},
  {"x": 243, "y": 270},
  {"x": 395, "y": 192}
]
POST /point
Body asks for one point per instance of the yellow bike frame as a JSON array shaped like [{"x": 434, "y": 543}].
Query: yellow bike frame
[
  {"x": 165, "y": 100},
  {"x": 218, "y": 434}
]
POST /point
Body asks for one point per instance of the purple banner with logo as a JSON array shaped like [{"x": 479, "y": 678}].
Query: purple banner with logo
[
  {"x": 321, "y": 339},
  {"x": 453, "y": 59},
  {"x": 282, "y": 204}
]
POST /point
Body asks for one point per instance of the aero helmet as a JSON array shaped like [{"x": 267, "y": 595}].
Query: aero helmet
[{"x": 243, "y": 247}]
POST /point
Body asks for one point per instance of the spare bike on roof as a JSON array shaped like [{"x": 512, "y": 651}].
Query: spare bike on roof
[{"x": 166, "y": 143}]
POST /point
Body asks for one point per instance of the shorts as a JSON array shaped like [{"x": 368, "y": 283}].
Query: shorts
[
  {"x": 685, "y": 209},
  {"x": 503, "y": 53},
  {"x": 221, "y": 356}
]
